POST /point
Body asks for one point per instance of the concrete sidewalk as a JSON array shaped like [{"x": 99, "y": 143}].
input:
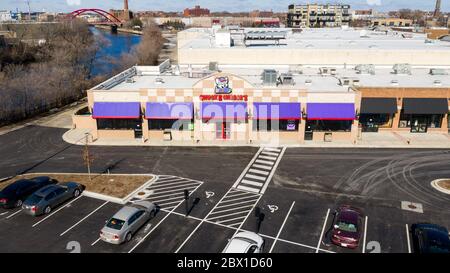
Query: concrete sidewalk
[{"x": 368, "y": 140}]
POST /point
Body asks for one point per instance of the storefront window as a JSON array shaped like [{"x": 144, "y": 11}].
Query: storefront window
[
  {"x": 275, "y": 125},
  {"x": 174, "y": 124},
  {"x": 376, "y": 120},
  {"x": 329, "y": 125},
  {"x": 118, "y": 124},
  {"x": 405, "y": 120},
  {"x": 435, "y": 121}
]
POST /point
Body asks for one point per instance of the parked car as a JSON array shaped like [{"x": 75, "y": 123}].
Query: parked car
[
  {"x": 347, "y": 227},
  {"x": 430, "y": 238},
  {"x": 127, "y": 221},
  {"x": 245, "y": 242},
  {"x": 49, "y": 197},
  {"x": 14, "y": 194}
]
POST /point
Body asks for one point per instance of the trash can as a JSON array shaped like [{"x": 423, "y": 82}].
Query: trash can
[{"x": 167, "y": 135}]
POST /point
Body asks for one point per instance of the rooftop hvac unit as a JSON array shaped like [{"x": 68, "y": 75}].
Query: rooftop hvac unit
[
  {"x": 286, "y": 79},
  {"x": 269, "y": 77},
  {"x": 327, "y": 71},
  {"x": 129, "y": 80},
  {"x": 348, "y": 81},
  {"x": 402, "y": 69},
  {"x": 437, "y": 83},
  {"x": 438, "y": 71},
  {"x": 213, "y": 66},
  {"x": 394, "y": 82},
  {"x": 365, "y": 69}
]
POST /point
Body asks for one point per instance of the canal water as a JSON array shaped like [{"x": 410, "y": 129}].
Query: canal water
[{"x": 117, "y": 44}]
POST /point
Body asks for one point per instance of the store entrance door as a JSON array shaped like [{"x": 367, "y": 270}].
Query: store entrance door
[
  {"x": 419, "y": 124},
  {"x": 138, "y": 131},
  {"x": 223, "y": 130}
]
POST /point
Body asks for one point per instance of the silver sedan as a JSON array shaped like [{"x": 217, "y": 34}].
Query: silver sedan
[{"x": 127, "y": 221}]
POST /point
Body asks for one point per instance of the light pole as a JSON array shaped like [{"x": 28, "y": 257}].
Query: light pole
[{"x": 86, "y": 156}]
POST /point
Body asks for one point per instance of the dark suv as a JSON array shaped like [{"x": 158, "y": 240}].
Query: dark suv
[{"x": 430, "y": 238}]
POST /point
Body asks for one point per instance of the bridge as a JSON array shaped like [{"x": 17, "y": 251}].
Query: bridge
[{"x": 109, "y": 19}]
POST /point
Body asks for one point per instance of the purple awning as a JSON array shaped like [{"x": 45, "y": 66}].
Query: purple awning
[
  {"x": 177, "y": 110},
  {"x": 224, "y": 110},
  {"x": 117, "y": 110},
  {"x": 282, "y": 110},
  {"x": 331, "y": 111}
]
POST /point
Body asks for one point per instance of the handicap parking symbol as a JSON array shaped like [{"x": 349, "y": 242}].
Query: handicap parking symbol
[{"x": 272, "y": 208}]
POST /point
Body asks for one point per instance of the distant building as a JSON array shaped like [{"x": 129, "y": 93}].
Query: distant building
[
  {"x": 318, "y": 15},
  {"x": 123, "y": 15},
  {"x": 365, "y": 14},
  {"x": 392, "y": 22},
  {"x": 5, "y": 16},
  {"x": 258, "y": 13},
  {"x": 196, "y": 12}
]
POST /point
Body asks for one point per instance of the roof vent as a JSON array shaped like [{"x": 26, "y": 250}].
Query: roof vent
[
  {"x": 129, "y": 80},
  {"x": 394, "y": 82},
  {"x": 269, "y": 77},
  {"x": 373, "y": 46},
  {"x": 286, "y": 79},
  {"x": 365, "y": 69},
  {"x": 403, "y": 69},
  {"x": 159, "y": 81},
  {"x": 345, "y": 81},
  {"x": 213, "y": 66},
  {"x": 407, "y": 35},
  {"x": 308, "y": 82},
  {"x": 309, "y": 46},
  {"x": 438, "y": 71},
  {"x": 437, "y": 83},
  {"x": 363, "y": 34}
]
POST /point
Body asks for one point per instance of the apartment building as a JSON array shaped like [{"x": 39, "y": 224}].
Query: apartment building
[{"x": 318, "y": 15}]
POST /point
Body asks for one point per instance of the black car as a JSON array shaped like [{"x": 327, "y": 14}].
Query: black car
[
  {"x": 14, "y": 194},
  {"x": 430, "y": 238}
]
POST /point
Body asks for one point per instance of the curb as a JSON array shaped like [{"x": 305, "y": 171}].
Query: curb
[
  {"x": 436, "y": 186},
  {"x": 103, "y": 197}
]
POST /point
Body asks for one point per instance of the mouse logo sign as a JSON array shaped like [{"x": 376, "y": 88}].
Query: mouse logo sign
[{"x": 222, "y": 85}]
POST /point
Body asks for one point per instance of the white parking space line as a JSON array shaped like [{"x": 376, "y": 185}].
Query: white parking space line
[
  {"x": 51, "y": 214},
  {"x": 323, "y": 230},
  {"x": 164, "y": 199},
  {"x": 173, "y": 187},
  {"x": 96, "y": 241},
  {"x": 201, "y": 222},
  {"x": 162, "y": 220},
  {"x": 167, "y": 195},
  {"x": 185, "y": 188},
  {"x": 240, "y": 198},
  {"x": 77, "y": 223},
  {"x": 239, "y": 193},
  {"x": 13, "y": 214},
  {"x": 248, "y": 189},
  {"x": 248, "y": 214},
  {"x": 235, "y": 208},
  {"x": 365, "y": 235},
  {"x": 229, "y": 214},
  {"x": 407, "y": 239},
  {"x": 258, "y": 171},
  {"x": 228, "y": 220},
  {"x": 243, "y": 202},
  {"x": 281, "y": 228},
  {"x": 4, "y": 213},
  {"x": 168, "y": 203}
]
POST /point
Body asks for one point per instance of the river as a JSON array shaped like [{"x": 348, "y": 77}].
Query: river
[{"x": 117, "y": 44}]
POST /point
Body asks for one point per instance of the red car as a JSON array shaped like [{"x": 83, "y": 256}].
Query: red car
[{"x": 347, "y": 227}]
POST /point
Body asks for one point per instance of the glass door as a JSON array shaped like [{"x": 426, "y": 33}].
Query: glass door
[
  {"x": 419, "y": 124},
  {"x": 223, "y": 130},
  {"x": 138, "y": 130}
]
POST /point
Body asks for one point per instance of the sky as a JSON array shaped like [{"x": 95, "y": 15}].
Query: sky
[{"x": 213, "y": 5}]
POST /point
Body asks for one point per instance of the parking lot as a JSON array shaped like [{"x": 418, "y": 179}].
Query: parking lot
[{"x": 296, "y": 189}]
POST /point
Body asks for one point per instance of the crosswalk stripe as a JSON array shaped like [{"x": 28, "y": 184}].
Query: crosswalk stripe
[
  {"x": 257, "y": 177},
  {"x": 262, "y": 167},
  {"x": 257, "y": 184},
  {"x": 269, "y": 153},
  {"x": 232, "y": 209},
  {"x": 264, "y": 162},
  {"x": 226, "y": 215},
  {"x": 247, "y": 188},
  {"x": 267, "y": 157},
  {"x": 272, "y": 149},
  {"x": 258, "y": 171}
]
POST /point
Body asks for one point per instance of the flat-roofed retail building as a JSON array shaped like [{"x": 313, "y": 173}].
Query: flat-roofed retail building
[{"x": 257, "y": 104}]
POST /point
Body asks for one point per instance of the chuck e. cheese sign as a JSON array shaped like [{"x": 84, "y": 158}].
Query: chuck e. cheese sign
[{"x": 223, "y": 92}]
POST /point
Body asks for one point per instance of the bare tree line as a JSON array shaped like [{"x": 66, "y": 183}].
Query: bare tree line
[{"x": 35, "y": 78}]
